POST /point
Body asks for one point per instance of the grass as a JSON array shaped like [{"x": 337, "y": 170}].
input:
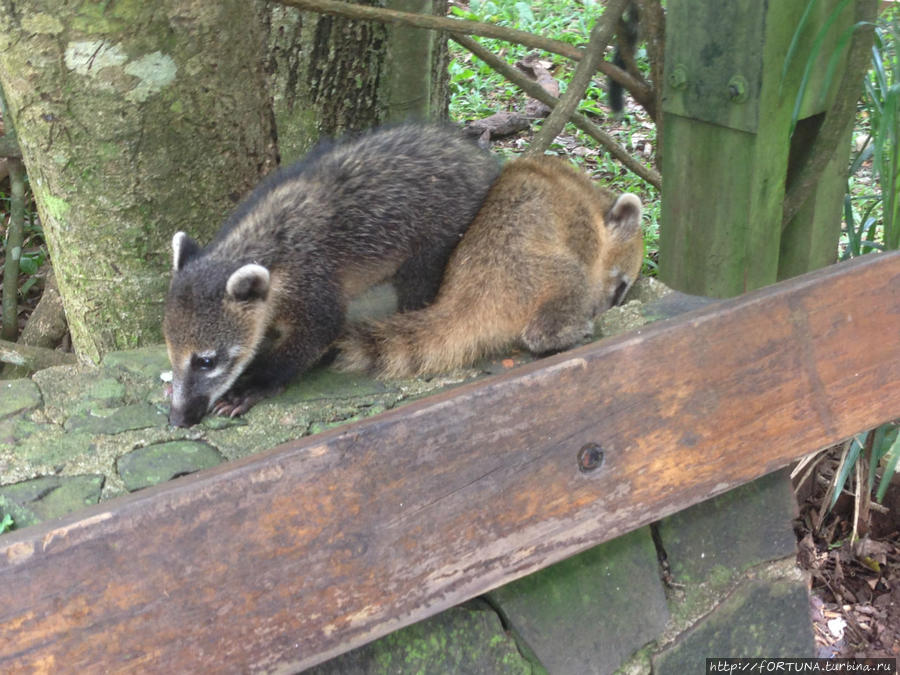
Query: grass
[{"x": 477, "y": 92}]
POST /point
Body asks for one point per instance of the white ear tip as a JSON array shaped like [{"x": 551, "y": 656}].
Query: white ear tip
[
  {"x": 178, "y": 242},
  {"x": 254, "y": 271},
  {"x": 628, "y": 201},
  {"x": 249, "y": 277}
]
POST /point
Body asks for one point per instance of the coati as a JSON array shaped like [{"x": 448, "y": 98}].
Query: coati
[
  {"x": 547, "y": 251},
  {"x": 265, "y": 299}
]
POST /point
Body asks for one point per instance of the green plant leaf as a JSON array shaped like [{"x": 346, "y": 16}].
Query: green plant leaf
[
  {"x": 856, "y": 446},
  {"x": 893, "y": 454}
]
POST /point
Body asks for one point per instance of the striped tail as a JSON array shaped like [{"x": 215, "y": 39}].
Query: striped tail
[{"x": 426, "y": 341}]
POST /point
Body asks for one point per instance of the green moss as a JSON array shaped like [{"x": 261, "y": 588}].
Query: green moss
[
  {"x": 42, "y": 23},
  {"x": 54, "y": 206},
  {"x": 17, "y": 396}
]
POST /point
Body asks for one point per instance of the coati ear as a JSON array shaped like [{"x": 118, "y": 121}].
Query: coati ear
[
  {"x": 250, "y": 282},
  {"x": 624, "y": 217},
  {"x": 184, "y": 249}
]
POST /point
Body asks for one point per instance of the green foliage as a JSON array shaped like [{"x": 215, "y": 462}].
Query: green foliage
[
  {"x": 882, "y": 103},
  {"x": 477, "y": 92},
  {"x": 6, "y": 523},
  {"x": 872, "y": 223},
  {"x": 879, "y": 448},
  {"x": 872, "y": 218}
]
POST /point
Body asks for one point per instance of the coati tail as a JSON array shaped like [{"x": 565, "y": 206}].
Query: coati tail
[
  {"x": 421, "y": 342},
  {"x": 625, "y": 47}
]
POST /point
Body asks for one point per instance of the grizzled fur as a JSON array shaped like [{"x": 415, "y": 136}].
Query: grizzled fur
[
  {"x": 547, "y": 251},
  {"x": 265, "y": 299}
]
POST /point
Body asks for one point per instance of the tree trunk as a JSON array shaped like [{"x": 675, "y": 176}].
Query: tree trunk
[
  {"x": 135, "y": 120},
  {"x": 140, "y": 119},
  {"x": 331, "y": 75}
]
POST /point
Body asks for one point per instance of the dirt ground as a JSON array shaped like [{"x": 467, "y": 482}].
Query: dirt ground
[{"x": 855, "y": 600}]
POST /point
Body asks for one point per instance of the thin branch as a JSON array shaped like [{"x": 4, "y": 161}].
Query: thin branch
[
  {"x": 9, "y": 146},
  {"x": 536, "y": 91},
  {"x": 15, "y": 238},
  {"x": 456, "y": 26},
  {"x": 640, "y": 90},
  {"x": 838, "y": 117},
  {"x": 581, "y": 79},
  {"x": 460, "y": 29}
]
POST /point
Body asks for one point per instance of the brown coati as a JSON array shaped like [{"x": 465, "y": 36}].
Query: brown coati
[
  {"x": 265, "y": 299},
  {"x": 547, "y": 251}
]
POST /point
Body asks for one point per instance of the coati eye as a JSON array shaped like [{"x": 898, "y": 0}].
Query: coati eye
[{"x": 202, "y": 362}]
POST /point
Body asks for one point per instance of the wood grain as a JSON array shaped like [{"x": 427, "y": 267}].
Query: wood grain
[{"x": 277, "y": 562}]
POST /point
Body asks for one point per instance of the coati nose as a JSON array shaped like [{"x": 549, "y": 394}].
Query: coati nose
[
  {"x": 189, "y": 415},
  {"x": 177, "y": 418}
]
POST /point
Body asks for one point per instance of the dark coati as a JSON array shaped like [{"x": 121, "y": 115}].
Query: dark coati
[
  {"x": 547, "y": 251},
  {"x": 265, "y": 299}
]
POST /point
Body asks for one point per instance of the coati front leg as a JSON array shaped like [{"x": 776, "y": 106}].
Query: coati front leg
[
  {"x": 294, "y": 341},
  {"x": 563, "y": 318}
]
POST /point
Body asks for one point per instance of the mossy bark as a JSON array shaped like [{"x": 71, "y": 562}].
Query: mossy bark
[
  {"x": 135, "y": 120},
  {"x": 331, "y": 75},
  {"x": 140, "y": 119}
]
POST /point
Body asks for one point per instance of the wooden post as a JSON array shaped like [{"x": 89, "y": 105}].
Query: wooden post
[{"x": 730, "y": 90}]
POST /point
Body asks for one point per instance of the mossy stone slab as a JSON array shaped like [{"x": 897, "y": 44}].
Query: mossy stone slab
[
  {"x": 17, "y": 397},
  {"x": 33, "y": 501},
  {"x": 164, "y": 461},
  {"x": 732, "y": 532},
  {"x": 146, "y": 362},
  {"x": 762, "y": 618},
  {"x": 465, "y": 639},
  {"x": 590, "y": 613},
  {"x": 112, "y": 421}
]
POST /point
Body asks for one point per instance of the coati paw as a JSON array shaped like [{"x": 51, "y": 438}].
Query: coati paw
[
  {"x": 233, "y": 404},
  {"x": 547, "y": 337},
  {"x": 232, "y": 407}
]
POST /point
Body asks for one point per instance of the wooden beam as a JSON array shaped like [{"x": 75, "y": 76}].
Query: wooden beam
[{"x": 279, "y": 561}]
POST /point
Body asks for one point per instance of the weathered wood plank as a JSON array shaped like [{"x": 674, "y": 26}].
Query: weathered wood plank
[{"x": 282, "y": 560}]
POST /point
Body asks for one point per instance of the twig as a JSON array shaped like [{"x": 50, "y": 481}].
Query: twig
[
  {"x": 456, "y": 26},
  {"x": 640, "y": 90},
  {"x": 33, "y": 358},
  {"x": 538, "y": 92},
  {"x": 9, "y": 146},
  {"x": 15, "y": 238},
  {"x": 460, "y": 30},
  {"x": 838, "y": 117},
  {"x": 578, "y": 85}
]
